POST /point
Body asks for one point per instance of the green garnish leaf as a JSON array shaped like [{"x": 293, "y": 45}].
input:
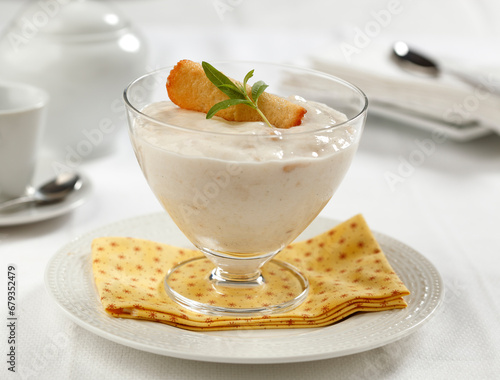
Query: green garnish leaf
[
  {"x": 222, "y": 82},
  {"x": 215, "y": 76},
  {"x": 257, "y": 89},
  {"x": 237, "y": 93},
  {"x": 225, "y": 104},
  {"x": 247, "y": 77},
  {"x": 232, "y": 91}
]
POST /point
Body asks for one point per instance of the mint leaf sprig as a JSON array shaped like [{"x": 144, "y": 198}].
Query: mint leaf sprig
[{"x": 236, "y": 91}]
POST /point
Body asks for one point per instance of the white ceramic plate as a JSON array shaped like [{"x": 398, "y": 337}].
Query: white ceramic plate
[
  {"x": 34, "y": 214},
  {"x": 69, "y": 281},
  {"x": 455, "y": 132}
]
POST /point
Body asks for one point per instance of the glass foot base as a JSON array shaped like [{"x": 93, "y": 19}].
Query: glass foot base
[{"x": 196, "y": 285}]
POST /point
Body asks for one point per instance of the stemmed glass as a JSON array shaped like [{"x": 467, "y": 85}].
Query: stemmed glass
[{"x": 240, "y": 198}]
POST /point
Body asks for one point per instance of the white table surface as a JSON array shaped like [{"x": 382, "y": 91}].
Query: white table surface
[{"x": 448, "y": 209}]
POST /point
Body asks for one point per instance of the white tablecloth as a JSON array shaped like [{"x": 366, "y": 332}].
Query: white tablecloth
[{"x": 447, "y": 207}]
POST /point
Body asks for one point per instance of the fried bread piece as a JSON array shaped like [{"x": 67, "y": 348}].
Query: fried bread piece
[{"x": 189, "y": 88}]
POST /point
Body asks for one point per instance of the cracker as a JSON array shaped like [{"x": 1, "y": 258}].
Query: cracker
[{"x": 189, "y": 88}]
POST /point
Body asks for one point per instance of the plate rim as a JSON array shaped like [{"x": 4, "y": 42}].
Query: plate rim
[{"x": 207, "y": 356}]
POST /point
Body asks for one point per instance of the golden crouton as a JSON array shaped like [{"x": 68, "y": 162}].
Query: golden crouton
[{"x": 189, "y": 88}]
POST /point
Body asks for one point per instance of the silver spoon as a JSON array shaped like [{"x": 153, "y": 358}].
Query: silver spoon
[
  {"x": 51, "y": 192},
  {"x": 418, "y": 62}
]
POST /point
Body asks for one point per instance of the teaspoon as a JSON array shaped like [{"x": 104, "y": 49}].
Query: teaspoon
[
  {"x": 51, "y": 192},
  {"x": 418, "y": 62}
]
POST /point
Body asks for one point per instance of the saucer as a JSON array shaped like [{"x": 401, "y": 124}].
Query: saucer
[
  {"x": 69, "y": 281},
  {"x": 34, "y": 213}
]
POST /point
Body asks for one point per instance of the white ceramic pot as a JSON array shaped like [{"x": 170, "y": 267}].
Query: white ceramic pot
[{"x": 83, "y": 52}]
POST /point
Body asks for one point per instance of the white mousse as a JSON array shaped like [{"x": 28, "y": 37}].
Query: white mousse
[{"x": 243, "y": 188}]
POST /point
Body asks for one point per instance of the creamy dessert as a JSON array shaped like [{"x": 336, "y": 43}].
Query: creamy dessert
[{"x": 243, "y": 188}]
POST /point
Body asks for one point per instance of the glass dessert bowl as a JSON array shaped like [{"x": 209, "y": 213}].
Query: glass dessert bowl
[{"x": 241, "y": 192}]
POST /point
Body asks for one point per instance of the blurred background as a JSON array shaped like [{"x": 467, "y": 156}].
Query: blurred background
[{"x": 289, "y": 29}]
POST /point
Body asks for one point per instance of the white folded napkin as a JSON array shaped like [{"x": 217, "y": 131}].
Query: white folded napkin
[{"x": 445, "y": 102}]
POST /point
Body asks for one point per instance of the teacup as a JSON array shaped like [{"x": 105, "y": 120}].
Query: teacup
[{"x": 22, "y": 117}]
